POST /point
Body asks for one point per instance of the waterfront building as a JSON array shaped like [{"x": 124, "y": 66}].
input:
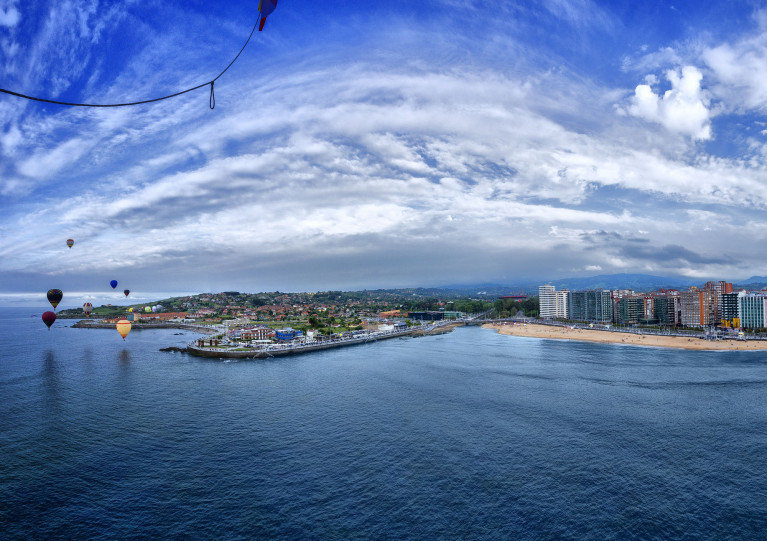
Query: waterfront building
[
  {"x": 548, "y": 301},
  {"x": 562, "y": 306},
  {"x": 698, "y": 307},
  {"x": 257, "y": 333},
  {"x": 729, "y": 315},
  {"x": 648, "y": 310},
  {"x": 592, "y": 305},
  {"x": 665, "y": 309},
  {"x": 630, "y": 309},
  {"x": 578, "y": 306},
  {"x": 752, "y": 310},
  {"x": 287, "y": 334}
]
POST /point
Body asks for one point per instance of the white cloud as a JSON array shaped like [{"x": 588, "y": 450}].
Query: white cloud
[
  {"x": 681, "y": 109},
  {"x": 741, "y": 72},
  {"x": 9, "y": 15}
]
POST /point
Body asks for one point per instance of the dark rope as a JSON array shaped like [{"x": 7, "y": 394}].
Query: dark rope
[{"x": 212, "y": 96}]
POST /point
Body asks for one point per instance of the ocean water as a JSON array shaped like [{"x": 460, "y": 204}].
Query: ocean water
[{"x": 469, "y": 435}]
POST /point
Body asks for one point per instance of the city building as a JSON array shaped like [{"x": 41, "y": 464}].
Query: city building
[
  {"x": 729, "y": 315},
  {"x": 287, "y": 334},
  {"x": 547, "y": 301},
  {"x": 752, "y": 311},
  {"x": 592, "y": 305},
  {"x": 698, "y": 307},
  {"x": 630, "y": 309}
]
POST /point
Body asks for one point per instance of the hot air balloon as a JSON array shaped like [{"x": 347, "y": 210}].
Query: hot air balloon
[
  {"x": 54, "y": 297},
  {"x": 70, "y": 242},
  {"x": 113, "y": 283},
  {"x": 127, "y": 292},
  {"x": 123, "y": 327},
  {"x": 87, "y": 308},
  {"x": 130, "y": 309},
  {"x": 130, "y": 317},
  {"x": 265, "y": 7},
  {"x": 147, "y": 309},
  {"x": 49, "y": 318}
]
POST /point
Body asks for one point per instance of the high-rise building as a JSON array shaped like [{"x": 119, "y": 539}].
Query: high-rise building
[
  {"x": 548, "y": 301},
  {"x": 593, "y": 305},
  {"x": 630, "y": 309},
  {"x": 698, "y": 307},
  {"x": 562, "y": 306},
  {"x": 752, "y": 309},
  {"x": 729, "y": 310}
]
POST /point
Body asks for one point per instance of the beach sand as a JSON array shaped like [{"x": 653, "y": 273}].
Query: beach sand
[{"x": 596, "y": 335}]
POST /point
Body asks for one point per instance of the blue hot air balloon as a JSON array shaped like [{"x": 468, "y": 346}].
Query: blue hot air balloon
[{"x": 113, "y": 283}]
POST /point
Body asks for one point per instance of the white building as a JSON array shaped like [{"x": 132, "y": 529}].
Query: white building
[{"x": 547, "y": 297}]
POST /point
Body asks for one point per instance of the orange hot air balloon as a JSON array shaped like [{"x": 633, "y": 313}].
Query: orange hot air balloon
[
  {"x": 70, "y": 242},
  {"x": 123, "y": 327}
]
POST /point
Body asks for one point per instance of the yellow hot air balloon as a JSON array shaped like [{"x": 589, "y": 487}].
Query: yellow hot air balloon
[
  {"x": 123, "y": 327},
  {"x": 130, "y": 309},
  {"x": 147, "y": 309}
]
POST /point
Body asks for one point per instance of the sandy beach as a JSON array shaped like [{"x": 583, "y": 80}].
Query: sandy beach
[{"x": 612, "y": 337}]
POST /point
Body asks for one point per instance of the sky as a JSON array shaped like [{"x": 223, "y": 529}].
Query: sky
[{"x": 367, "y": 144}]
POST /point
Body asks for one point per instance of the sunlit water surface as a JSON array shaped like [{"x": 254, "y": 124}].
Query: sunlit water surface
[{"x": 463, "y": 436}]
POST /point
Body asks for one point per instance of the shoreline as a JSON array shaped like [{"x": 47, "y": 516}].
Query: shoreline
[
  {"x": 94, "y": 324},
  {"x": 534, "y": 330}
]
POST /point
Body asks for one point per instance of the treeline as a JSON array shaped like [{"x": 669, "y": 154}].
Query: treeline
[
  {"x": 509, "y": 307},
  {"x": 467, "y": 306}
]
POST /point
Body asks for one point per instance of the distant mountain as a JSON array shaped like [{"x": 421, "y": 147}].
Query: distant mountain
[
  {"x": 637, "y": 282},
  {"x": 755, "y": 282}
]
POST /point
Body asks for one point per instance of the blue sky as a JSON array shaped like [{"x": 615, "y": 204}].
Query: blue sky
[{"x": 379, "y": 144}]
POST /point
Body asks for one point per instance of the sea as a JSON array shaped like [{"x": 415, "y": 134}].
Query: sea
[{"x": 466, "y": 435}]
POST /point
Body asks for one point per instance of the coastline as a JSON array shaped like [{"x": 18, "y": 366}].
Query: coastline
[
  {"x": 95, "y": 324},
  {"x": 533, "y": 330}
]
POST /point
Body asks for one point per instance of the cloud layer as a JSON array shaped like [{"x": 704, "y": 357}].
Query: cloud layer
[{"x": 349, "y": 166}]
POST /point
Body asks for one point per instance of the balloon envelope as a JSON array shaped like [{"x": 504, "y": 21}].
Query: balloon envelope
[
  {"x": 113, "y": 283},
  {"x": 54, "y": 297},
  {"x": 127, "y": 292},
  {"x": 70, "y": 242},
  {"x": 147, "y": 309},
  {"x": 123, "y": 327},
  {"x": 49, "y": 318},
  {"x": 87, "y": 308},
  {"x": 130, "y": 317}
]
